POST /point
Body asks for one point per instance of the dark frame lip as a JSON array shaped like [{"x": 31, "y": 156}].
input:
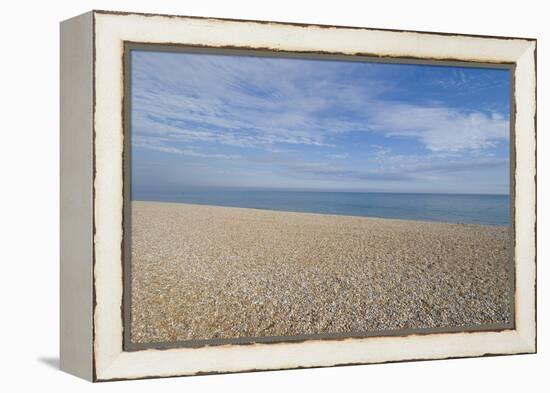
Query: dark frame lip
[
  {"x": 129, "y": 46},
  {"x": 302, "y": 24},
  {"x": 94, "y": 173},
  {"x": 312, "y": 55},
  {"x": 267, "y": 340}
]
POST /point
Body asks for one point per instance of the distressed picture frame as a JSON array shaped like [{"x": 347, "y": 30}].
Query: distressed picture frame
[{"x": 94, "y": 184}]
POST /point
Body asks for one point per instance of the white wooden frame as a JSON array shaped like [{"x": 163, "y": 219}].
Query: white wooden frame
[{"x": 92, "y": 89}]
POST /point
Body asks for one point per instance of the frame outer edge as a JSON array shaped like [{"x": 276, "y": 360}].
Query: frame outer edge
[
  {"x": 526, "y": 180},
  {"x": 524, "y": 339}
]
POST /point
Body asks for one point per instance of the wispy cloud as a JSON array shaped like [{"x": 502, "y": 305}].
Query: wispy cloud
[
  {"x": 414, "y": 170},
  {"x": 338, "y": 156},
  {"x": 283, "y": 115},
  {"x": 324, "y": 170},
  {"x": 255, "y": 102},
  {"x": 247, "y": 102},
  {"x": 459, "y": 80},
  {"x": 156, "y": 145}
]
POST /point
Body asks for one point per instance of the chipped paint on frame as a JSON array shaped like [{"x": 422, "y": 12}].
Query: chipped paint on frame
[{"x": 111, "y": 362}]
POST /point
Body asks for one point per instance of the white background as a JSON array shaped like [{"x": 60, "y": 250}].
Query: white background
[{"x": 29, "y": 205}]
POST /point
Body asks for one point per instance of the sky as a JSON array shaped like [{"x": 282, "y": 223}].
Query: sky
[{"x": 211, "y": 120}]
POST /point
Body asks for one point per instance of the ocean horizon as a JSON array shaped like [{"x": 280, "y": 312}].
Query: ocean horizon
[{"x": 482, "y": 209}]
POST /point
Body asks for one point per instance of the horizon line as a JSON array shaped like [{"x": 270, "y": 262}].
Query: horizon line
[{"x": 267, "y": 189}]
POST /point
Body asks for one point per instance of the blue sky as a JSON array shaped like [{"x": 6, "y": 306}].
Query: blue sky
[{"x": 203, "y": 120}]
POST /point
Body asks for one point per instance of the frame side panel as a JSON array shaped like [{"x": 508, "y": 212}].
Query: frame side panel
[{"x": 76, "y": 208}]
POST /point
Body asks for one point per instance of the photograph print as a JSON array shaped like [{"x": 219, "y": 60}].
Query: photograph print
[{"x": 282, "y": 197}]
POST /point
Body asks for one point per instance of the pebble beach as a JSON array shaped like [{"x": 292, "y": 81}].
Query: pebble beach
[{"x": 207, "y": 272}]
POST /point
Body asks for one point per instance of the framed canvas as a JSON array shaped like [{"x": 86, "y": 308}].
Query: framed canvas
[{"x": 245, "y": 195}]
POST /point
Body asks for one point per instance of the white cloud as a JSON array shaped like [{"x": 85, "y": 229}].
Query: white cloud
[{"x": 440, "y": 129}]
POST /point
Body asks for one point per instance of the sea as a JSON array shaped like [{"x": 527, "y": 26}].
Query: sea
[{"x": 453, "y": 208}]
